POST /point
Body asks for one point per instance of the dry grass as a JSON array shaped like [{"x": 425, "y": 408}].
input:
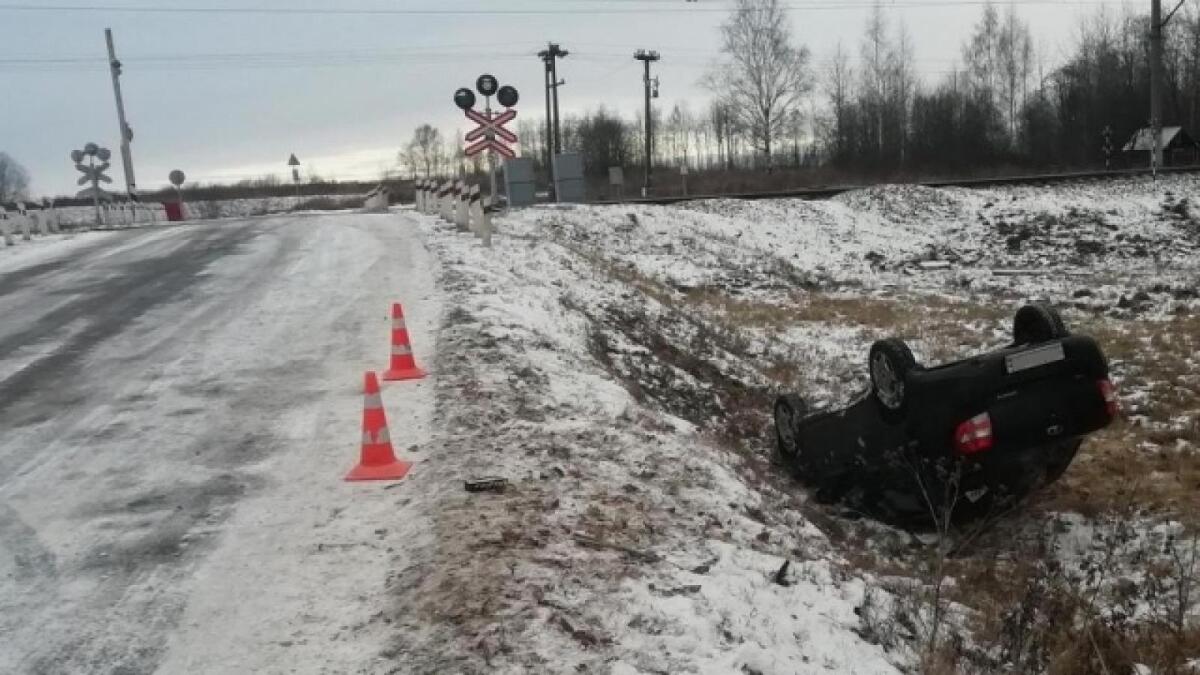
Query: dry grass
[{"x": 1141, "y": 465}]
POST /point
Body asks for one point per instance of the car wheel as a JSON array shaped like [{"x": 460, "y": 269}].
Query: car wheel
[
  {"x": 789, "y": 410},
  {"x": 1038, "y": 323},
  {"x": 890, "y": 361}
]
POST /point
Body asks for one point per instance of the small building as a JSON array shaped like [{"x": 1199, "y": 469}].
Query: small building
[{"x": 1177, "y": 145}]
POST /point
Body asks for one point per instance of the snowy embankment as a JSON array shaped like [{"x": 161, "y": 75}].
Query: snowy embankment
[
  {"x": 617, "y": 365},
  {"x": 628, "y": 540}
]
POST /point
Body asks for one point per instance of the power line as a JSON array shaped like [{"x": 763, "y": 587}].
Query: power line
[
  {"x": 222, "y": 60},
  {"x": 692, "y": 8}
]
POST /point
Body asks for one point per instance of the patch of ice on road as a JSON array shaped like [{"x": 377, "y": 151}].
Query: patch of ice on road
[{"x": 45, "y": 248}]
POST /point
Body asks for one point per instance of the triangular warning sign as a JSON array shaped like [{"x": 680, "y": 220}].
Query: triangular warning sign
[{"x": 292, "y": 161}]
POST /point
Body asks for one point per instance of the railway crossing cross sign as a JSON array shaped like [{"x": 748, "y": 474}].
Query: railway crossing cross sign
[
  {"x": 93, "y": 173},
  {"x": 490, "y": 134}
]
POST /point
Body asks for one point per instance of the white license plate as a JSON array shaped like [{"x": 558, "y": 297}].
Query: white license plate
[{"x": 1032, "y": 358}]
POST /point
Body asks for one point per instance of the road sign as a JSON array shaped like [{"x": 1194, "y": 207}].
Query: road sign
[
  {"x": 93, "y": 173},
  {"x": 176, "y": 177},
  {"x": 489, "y": 144},
  {"x": 491, "y": 125},
  {"x": 295, "y": 164}
]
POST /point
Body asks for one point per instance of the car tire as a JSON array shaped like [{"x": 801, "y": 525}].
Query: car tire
[
  {"x": 889, "y": 362},
  {"x": 789, "y": 410},
  {"x": 1038, "y": 323}
]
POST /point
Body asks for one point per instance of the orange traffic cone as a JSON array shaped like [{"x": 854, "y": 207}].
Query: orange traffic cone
[
  {"x": 404, "y": 366},
  {"x": 378, "y": 459}
]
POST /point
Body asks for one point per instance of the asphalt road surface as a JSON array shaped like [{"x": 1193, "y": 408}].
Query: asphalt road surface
[{"x": 177, "y": 407}]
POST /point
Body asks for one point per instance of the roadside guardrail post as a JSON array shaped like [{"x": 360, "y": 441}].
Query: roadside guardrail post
[
  {"x": 485, "y": 222},
  {"x": 448, "y": 197},
  {"x": 51, "y": 215},
  {"x": 462, "y": 217},
  {"x": 475, "y": 212},
  {"x": 23, "y": 216},
  {"x": 6, "y": 227}
]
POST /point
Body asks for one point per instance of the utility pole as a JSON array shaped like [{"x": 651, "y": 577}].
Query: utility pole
[
  {"x": 114, "y": 67},
  {"x": 550, "y": 57},
  {"x": 648, "y": 57},
  {"x": 556, "y": 53},
  {"x": 1156, "y": 37},
  {"x": 549, "y": 123},
  {"x": 1157, "y": 24}
]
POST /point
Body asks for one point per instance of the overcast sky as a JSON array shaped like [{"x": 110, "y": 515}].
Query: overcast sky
[{"x": 226, "y": 95}]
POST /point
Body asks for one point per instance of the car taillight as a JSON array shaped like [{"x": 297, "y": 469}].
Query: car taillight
[
  {"x": 1109, "y": 393},
  {"x": 974, "y": 435}
]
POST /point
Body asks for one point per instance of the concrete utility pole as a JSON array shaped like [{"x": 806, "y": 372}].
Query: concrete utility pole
[
  {"x": 1156, "y": 37},
  {"x": 114, "y": 67},
  {"x": 549, "y": 57},
  {"x": 555, "y": 53},
  {"x": 549, "y": 122},
  {"x": 1157, "y": 24},
  {"x": 648, "y": 57}
]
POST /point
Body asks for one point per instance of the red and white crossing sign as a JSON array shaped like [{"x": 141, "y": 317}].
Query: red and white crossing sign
[{"x": 490, "y": 134}]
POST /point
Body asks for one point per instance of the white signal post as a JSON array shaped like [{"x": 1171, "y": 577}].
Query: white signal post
[{"x": 491, "y": 136}]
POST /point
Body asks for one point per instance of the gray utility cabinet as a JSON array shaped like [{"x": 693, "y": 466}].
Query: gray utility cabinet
[
  {"x": 568, "y": 177},
  {"x": 518, "y": 181}
]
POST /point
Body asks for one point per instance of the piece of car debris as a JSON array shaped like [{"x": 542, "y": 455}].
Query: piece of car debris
[
  {"x": 781, "y": 576},
  {"x": 489, "y": 484}
]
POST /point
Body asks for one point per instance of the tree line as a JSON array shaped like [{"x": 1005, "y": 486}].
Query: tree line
[{"x": 1006, "y": 103}]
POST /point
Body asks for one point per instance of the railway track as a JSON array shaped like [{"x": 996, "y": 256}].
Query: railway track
[{"x": 826, "y": 192}]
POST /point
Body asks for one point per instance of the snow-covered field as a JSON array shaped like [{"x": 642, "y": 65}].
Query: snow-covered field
[{"x": 617, "y": 365}]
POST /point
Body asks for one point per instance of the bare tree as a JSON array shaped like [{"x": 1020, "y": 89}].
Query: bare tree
[
  {"x": 763, "y": 74},
  {"x": 838, "y": 88},
  {"x": 901, "y": 87},
  {"x": 426, "y": 151},
  {"x": 721, "y": 118},
  {"x": 875, "y": 49},
  {"x": 14, "y": 179},
  {"x": 1014, "y": 46}
]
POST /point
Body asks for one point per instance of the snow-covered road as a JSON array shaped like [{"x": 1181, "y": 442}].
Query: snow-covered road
[{"x": 177, "y": 407}]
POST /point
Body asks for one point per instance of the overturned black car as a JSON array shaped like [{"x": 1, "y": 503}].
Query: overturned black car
[{"x": 968, "y": 438}]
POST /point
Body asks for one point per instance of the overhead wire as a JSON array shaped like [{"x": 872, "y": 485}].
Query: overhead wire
[{"x": 691, "y": 7}]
